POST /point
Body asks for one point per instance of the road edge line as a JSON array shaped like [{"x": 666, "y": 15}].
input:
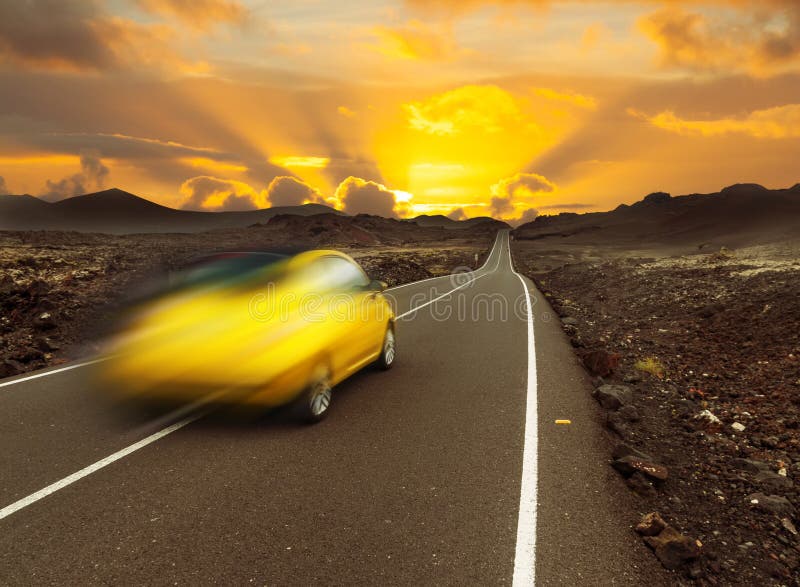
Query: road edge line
[{"x": 525, "y": 551}]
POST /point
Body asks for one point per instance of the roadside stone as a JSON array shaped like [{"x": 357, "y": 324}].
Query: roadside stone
[
  {"x": 600, "y": 362},
  {"x": 45, "y": 321},
  {"x": 629, "y": 413},
  {"x": 773, "y": 481},
  {"x": 632, "y": 378},
  {"x": 569, "y": 321},
  {"x": 651, "y": 524},
  {"x": 738, "y": 427},
  {"x": 789, "y": 526},
  {"x": 47, "y": 345},
  {"x": 709, "y": 417},
  {"x": 672, "y": 548},
  {"x": 630, "y": 464},
  {"x": 613, "y": 397},
  {"x": 625, "y": 450},
  {"x": 774, "y": 504}
]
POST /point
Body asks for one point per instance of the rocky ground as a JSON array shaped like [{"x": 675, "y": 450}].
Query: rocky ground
[
  {"x": 58, "y": 290},
  {"x": 696, "y": 360}
]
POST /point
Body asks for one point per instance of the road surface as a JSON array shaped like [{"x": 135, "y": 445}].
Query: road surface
[{"x": 448, "y": 469}]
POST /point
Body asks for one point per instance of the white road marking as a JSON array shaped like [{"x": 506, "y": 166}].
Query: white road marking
[
  {"x": 54, "y": 371},
  {"x": 488, "y": 258},
  {"x": 525, "y": 553},
  {"x": 42, "y": 493},
  {"x": 496, "y": 247},
  {"x": 444, "y": 295},
  {"x": 78, "y": 475}
]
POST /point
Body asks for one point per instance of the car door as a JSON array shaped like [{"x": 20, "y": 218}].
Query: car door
[{"x": 352, "y": 315}]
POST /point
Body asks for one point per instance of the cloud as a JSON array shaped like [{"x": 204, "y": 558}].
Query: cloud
[
  {"x": 359, "y": 196},
  {"x": 753, "y": 39},
  {"x": 338, "y": 169},
  {"x": 79, "y": 36},
  {"x": 3, "y": 187},
  {"x": 200, "y": 14},
  {"x": 457, "y": 214},
  {"x": 418, "y": 41},
  {"x": 780, "y": 122},
  {"x": 346, "y": 112},
  {"x": 517, "y": 191},
  {"x": 528, "y": 215},
  {"x": 289, "y": 191},
  {"x": 119, "y": 146},
  {"x": 488, "y": 108},
  {"x": 572, "y": 98},
  {"x": 214, "y": 194},
  {"x": 92, "y": 177}
]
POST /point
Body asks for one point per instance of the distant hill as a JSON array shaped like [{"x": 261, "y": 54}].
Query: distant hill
[
  {"x": 737, "y": 215},
  {"x": 445, "y": 222},
  {"x": 116, "y": 211}
]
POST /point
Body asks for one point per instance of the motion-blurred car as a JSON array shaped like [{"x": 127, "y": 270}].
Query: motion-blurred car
[{"x": 268, "y": 329}]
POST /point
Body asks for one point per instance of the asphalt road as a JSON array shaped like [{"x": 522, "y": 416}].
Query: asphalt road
[{"x": 448, "y": 469}]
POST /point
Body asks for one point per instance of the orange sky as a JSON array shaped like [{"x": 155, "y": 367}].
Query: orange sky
[{"x": 399, "y": 107}]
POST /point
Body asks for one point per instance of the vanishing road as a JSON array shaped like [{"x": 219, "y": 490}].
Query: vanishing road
[{"x": 448, "y": 469}]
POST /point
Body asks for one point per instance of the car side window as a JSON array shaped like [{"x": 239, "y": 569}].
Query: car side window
[{"x": 341, "y": 274}]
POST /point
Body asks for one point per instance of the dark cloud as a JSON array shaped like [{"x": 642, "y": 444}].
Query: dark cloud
[
  {"x": 457, "y": 214},
  {"x": 359, "y": 196},
  {"x": 79, "y": 35},
  {"x": 53, "y": 33},
  {"x": 92, "y": 178},
  {"x": 517, "y": 189},
  {"x": 3, "y": 187},
  {"x": 217, "y": 195},
  {"x": 527, "y": 216},
  {"x": 289, "y": 191},
  {"x": 500, "y": 207},
  {"x": 746, "y": 42},
  {"x": 118, "y": 146}
]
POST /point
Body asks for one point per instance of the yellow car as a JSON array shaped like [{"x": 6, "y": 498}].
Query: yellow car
[{"x": 266, "y": 329}]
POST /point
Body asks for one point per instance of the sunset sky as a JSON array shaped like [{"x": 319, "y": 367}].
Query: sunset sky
[{"x": 398, "y": 107}]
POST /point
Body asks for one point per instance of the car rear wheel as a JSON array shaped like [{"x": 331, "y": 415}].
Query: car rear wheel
[
  {"x": 388, "y": 350},
  {"x": 313, "y": 404}
]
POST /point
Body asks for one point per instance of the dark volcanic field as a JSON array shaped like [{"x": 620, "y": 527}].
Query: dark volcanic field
[
  {"x": 59, "y": 290},
  {"x": 718, "y": 403}
]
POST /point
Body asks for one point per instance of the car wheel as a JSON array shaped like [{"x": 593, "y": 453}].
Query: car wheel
[
  {"x": 388, "y": 350},
  {"x": 313, "y": 404}
]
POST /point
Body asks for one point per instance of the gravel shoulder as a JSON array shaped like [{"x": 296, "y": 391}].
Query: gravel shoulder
[{"x": 696, "y": 359}]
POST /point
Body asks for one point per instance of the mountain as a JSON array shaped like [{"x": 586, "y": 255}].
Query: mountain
[
  {"x": 736, "y": 215},
  {"x": 119, "y": 212},
  {"x": 442, "y": 221}
]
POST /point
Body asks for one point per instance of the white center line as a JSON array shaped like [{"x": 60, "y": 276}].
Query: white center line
[
  {"x": 525, "y": 553},
  {"x": 52, "y": 488},
  {"x": 54, "y": 371}
]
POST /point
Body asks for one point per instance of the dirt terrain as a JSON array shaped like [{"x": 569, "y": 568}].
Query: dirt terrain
[
  {"x": 706, "y": 425},
  {"x": 59, "y": 290}
]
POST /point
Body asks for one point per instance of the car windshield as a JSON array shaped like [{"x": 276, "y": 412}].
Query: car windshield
[{"x": 228, "y": 270}]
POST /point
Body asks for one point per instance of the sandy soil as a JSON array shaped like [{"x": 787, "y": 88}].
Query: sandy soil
[
  {"x": 59, "y": 290},
  {"x": 709, "y": 333}
]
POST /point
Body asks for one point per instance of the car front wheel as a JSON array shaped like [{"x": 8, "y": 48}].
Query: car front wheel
[
  {"x": 388, "y": 350},
  {"x": 313, "y": 404}
]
